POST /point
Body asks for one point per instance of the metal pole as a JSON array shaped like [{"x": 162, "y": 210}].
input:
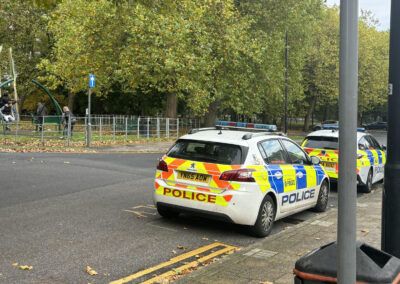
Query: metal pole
[
  {"x": 16, "y": 126},
  {"x": 158, "y": 127},
  {"x": 126, "y": 128},
  {"x": 89, "y": 125},
  {"x": 167, "y": 127},
  {"x": 391, "y": 192},
  {"x": 347, "y": 184},
  {"x": 101, "y": 127},
  {"x": 177, "y": 127},
  {"x": 286, "y": 78},
  {"x": 114, "y": 128},
  {"x": 138, "y": 127},
  {"x": 148, "y": 127},
  {"x": 42, "y": 135},
  {"x": 69, "y": 130}
]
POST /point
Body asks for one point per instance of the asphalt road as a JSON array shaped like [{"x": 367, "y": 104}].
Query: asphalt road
[{"x": 62, "y": 212}]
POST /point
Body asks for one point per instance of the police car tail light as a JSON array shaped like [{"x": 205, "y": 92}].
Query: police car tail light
[
  {"x": 238, "y": 175},
  {"x": 162, "y": 166}
]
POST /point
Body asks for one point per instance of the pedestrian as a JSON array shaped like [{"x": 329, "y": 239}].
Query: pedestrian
[
  {"x": 41, "y": 112},
  {"x": 68, "y": 116},
  {"x": 4, "y": 99},
  {"x": 7, "y": 113}
]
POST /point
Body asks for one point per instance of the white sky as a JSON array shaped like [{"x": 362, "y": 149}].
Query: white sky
[{"x": 380, "y": 9}]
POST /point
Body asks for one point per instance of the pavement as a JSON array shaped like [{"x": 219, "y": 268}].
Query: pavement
[{"x": 272, "y": 259}]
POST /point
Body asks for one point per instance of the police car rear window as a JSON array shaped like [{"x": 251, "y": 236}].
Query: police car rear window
[
  {"x": 210, "y": 152},
  {"x": 322, "y": 142}
]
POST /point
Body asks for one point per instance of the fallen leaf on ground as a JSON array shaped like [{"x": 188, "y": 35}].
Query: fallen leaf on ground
[
  {"x": 299, "y": 254},
  {"x": 14, "y": 162},
  {"x": 206, "y": 239},
  {"x": 66, "y": 162},
  {"x": 317, "y": 238},
  {"x": 365, "y": 230},
  {"x": 31, "y": 159},
  {"x": 25, "y": 267},
  {"x": 288, "y": 227},
  {"x": 181, "y": 247},
  {"x": 197, "y": 256},
  {"x": 185, "y": 228},
  {"x": 139, "y": 217},
  {"x": 266, "y": 282},
  {"x": 15, "y": 264},
  {"x": 229, "y": 252},
  {"x": 173, "y": 251},
  {"x": 90, "y": 271}
]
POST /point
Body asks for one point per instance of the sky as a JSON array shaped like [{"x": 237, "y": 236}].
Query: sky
[{"x": 380, "y": 9}]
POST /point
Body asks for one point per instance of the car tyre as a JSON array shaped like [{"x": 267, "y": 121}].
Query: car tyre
[
  {"x": 167, "y": 213},
  {"x": 265, "y": 218},
  {"x": 367, "y": 187},
  {"x": 323, "y": 197}
]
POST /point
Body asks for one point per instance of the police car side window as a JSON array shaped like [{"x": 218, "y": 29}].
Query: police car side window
[
  {"x": 363, "y": 144},
  {"x": 273, "y": 152},
  {"x": 296, "y": 155},
  {"x": 373, "y": 142}
]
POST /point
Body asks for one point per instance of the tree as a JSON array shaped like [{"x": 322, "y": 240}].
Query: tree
[
  {"x": 88, "y": 38},
  {"x": 23, "y": 28}
]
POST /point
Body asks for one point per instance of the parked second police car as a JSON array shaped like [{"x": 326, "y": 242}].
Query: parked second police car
[
  {"x": 239, "y": 176},
  {"x": 371, "y": 156}
]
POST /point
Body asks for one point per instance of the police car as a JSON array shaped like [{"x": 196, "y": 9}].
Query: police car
[
  {"x": 249, "y": 178},
  {"x": 371, "y": 156}
]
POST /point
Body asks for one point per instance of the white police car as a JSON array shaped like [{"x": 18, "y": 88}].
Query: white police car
[
  {"x": 240, "y": 176},
  {"x": 371, "y": 156}
]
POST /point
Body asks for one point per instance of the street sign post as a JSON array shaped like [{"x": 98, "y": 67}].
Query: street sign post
[
  {"x": 347, "y": 183},
  {"x": 391, "y": 192},
  {"x": 92, "y": 84}
]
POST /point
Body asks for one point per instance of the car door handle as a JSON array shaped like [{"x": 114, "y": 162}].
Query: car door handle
[{"x": 278, "y": 175}]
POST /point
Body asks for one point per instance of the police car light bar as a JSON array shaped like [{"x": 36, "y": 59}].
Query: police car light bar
[
  {"x": 335, "y": 127},
  {"x": 244, "y": 125}
]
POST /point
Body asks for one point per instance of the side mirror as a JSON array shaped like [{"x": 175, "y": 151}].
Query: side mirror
[
  {"x": 361, "y": 147},
  {"x": 315, "y": 160},
  {"x": 383, "y": 147}
]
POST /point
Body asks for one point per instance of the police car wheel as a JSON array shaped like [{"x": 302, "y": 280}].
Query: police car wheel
[
  {"x": 368, "y": 185},
  {"x": 167, "y": 213},
  {"x": 323, "y": 197},
  {"x": 265, "y": 219}
]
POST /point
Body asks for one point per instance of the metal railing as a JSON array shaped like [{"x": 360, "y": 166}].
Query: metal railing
[{"x": 103, "y": 128}]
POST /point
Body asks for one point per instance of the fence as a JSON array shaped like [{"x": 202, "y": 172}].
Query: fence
[{"x": 103, "y": 128}]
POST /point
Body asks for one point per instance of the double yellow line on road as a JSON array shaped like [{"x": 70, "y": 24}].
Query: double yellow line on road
[{"x": 193, "y": 253}]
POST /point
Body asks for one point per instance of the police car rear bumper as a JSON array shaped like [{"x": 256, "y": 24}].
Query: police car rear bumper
[
  {"x": 240, "y": 207},
  {"x": 203, "y": 213}
]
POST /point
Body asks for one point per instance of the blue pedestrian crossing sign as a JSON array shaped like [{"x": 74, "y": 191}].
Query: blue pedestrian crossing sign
[{"x": 91, "y": 81}]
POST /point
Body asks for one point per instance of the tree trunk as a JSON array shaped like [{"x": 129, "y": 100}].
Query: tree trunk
[
  {"x": 172, "y": 106},
  {"x": 71, "y": 97},
  {"x": 309, "y": 113},
  {"x": 211, "y": 116}
]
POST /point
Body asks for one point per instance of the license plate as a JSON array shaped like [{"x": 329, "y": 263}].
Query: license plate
[
  {"x": 193, "y": 177},
  {"x": 329, "y": 165}
]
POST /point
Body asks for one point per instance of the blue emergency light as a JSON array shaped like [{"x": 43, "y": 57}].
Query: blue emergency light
[
  {"x": 269, "y": 127},
  {"x": 335, "y": 127}
]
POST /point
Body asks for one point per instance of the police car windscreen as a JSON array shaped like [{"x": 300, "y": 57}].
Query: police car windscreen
[
  {"x": 322, "y": 142},
  {"x": 211, "y": 152}
]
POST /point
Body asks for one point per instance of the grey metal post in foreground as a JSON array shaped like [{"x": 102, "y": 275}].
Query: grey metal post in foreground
[
  {"x": 347, "y": 186},
  {"x": 391, "y": 192}
]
